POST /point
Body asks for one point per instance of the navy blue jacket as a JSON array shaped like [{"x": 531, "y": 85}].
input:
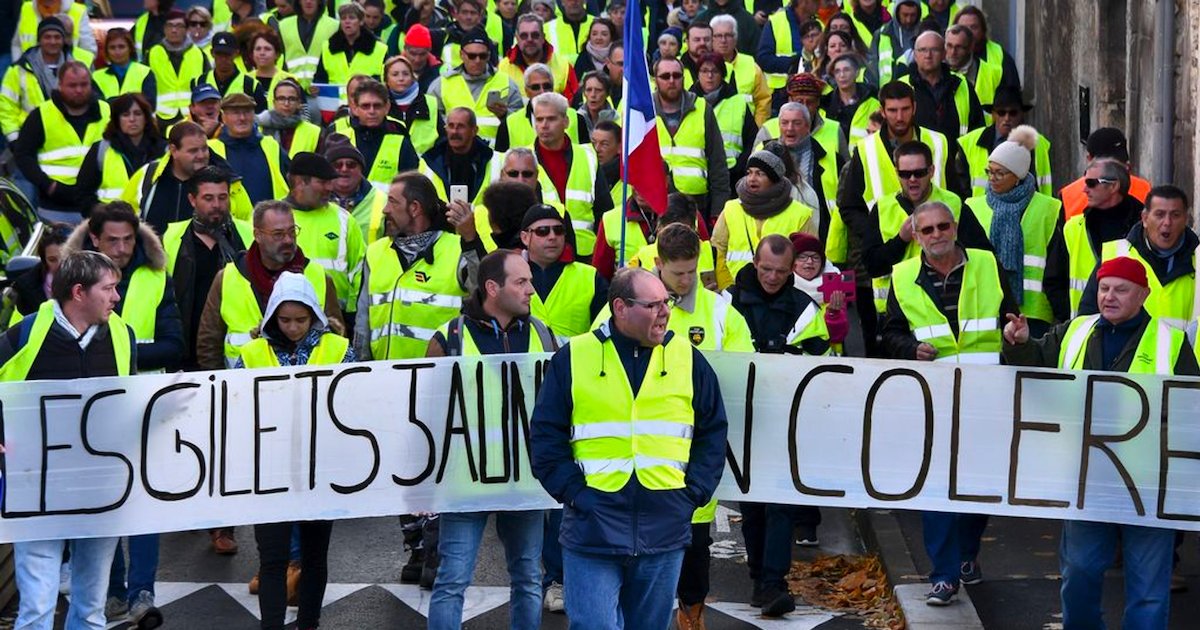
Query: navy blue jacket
[{"x": 633, "y": 520}]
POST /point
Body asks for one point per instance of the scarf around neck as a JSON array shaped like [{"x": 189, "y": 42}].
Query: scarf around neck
[{"x": 1006, "y": 234}]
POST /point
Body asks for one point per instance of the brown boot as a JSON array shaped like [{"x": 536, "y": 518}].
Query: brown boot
[
  {"x": 253, "y": 585},
  {"x": 690, "y": 617},
  {"x": 293, "y": 584}
]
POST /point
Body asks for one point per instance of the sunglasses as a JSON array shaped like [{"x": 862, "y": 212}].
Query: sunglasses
[
  {"x": 913, "y": 174},
  {"x": 1093, "y": 182},
  {"x": 524, "y": 174},
  {"x": 940, "y": 227},
  {"x": 540, "y": 87},
  {"x": 545, "y": 230},
  {"x": 476, "y": 56},
  {"x": 671, "y": 76}
]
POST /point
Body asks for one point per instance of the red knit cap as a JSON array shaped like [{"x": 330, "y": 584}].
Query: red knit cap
[
  {"x": 1125, "y": 268},
  {"x": 418, "y": 37}
]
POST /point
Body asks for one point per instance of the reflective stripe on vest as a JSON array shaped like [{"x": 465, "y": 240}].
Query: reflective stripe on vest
[
  {"x": 407, "y": 306},
  {"x": 979, "y": 300},
  {"x": 17, "y": 367},
  {"x": 240, "y": 310},
  {"x": 615, "y": 435},
  {"x": 1157, "y": 351}
]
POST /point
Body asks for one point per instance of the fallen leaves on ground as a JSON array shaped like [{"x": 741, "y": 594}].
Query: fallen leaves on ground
[{"x": 853, "y": 584}]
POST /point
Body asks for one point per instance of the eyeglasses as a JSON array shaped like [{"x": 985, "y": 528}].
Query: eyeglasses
[
  {"x": 913, "y": 174},
  {"x": 1093, "y": 182},
  {"x": 516, "y": 173},
  {"x": 533, "y": 35},
  {"x": 545, "y": 230},
  {"x": 670, "y": 76},
  {"x": 476, "y": 56},
  {"x": 996, "y": 173},
  {"x": 667, "y": 304},
  {"x": 539, "y": 87},
  {"x": 940, "y": 227},
  {"x": 279, "y": 235},
  {"x": 197, "y": 24}
]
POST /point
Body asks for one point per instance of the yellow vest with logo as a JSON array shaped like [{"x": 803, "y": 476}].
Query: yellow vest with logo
[
  {"x": 456, "y": 93},
  {"x": 240, "y": 310},
  {"x": 1037, "y": 227},
  {"x": 616, "y": 435},
  {"x": 271, "y": 152},
  {"x": 1156, "y": 353},
  {"x": 891, "y": 218},
  {"x": 61, "y": 155},
  {"x": 1174, "y": 304},
  {"x": 112, "y": 87},
  {"x": 407, "y": 306},
  {"x": 330, "y": 350},
  {"x": 567, "y": 309},
  {"x": 17, "y": 367},
  {"x": 979, "y": 301},
  {"x": 977, "y": 162},
  {"x": 744, "y": 233},
  {"x": 684, "y": 152},
  {"x": 301, "y": 61},
  {"x": 174, "y": 88}
]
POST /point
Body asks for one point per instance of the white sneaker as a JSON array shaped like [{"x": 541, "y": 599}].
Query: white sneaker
[
  {"x": 553, "y": 600},
  {"x": 64, "y": 579}
]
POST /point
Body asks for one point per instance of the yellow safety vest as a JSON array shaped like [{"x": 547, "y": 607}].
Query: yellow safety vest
[
  {"x": 301, "y": 61},
  {"x": 684, "y": 152},
  {"x": 27, "y": 23},
  {"x": 330, "y": 350},
  {"x": 616, "y": 435},
  {"x": 1037, "y": 227},
  {"x": 891, "y": 218},
  {"x": 456, "y": 93},
  {"x": 407, "y": 306},
  {"x": 977, "y": 161},
  {"x": 879, "y": 172},
  {"x": 744, "y": 233},
  {"x": 240, "y": 310},
  {"x": 567, "y": 309},
  {"x": 1157, "y": 351},
  {"x": 1174, "y": 304},
  {"x": 979, "y": 301},
  {"x": 62, "y": 152},
  {"x": 271, "y": 151},
  {"x": 18, "y": 366},
  {"x": 174, "y": 88},
  {"x": 112, "y": 87}
]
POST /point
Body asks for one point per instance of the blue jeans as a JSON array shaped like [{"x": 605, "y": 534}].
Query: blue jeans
[
  {"x": 458, "y": 546},
  {"x": 608, "y": 591},
  {"x": 1087, "y": 550},
  {"x": 38, "y": 565},
  {"x": 552, "y": 550},
  {"x": 950, "y": 540},
  {"x": 143, "y": 565}
]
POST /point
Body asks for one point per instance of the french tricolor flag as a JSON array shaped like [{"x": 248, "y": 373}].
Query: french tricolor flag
[{"x": 641, "y": 159}]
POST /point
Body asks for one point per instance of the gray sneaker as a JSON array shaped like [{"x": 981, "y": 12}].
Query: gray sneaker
[
  {"x": 115, "y": 608},
  {"x": 142, "y": 613}
]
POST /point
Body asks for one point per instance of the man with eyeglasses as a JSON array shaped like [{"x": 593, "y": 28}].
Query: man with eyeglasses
[
  {"x": 531, "y": 47},
  {"x": 517, "y": 128},
  {"x": 889, "y": 239},
  {"x": 947, "y": 304},
  {"x": 460, "y": 158},
  {"x": 945, "y": 101},
  {"x": 1008, "y": 112},
  {"x": 475, "y": 84},
  {"x": 1110, "y": 214},
  {"x": 626, "y": 516},
  {"x": 690, "y": 140},
  {"x": 240, "y": 290}
]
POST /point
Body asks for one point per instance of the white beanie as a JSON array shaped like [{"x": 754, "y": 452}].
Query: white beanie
[{"x": 1014, "y": 153}]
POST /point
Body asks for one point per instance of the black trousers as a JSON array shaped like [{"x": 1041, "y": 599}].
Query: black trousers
[
  {"x": 274, "y": 542},
  {"x": 693, "y": 575}
]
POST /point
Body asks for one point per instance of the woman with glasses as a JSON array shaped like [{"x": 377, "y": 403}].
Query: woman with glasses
[
  {"x": 287, "y": 122},
  {"x": 851, "y": 102},
  {"x": 199, "y": 29},
  {"x": 734, "y": 115},
  {"x": 408, "y": 104},
  {"x": 123, "y": 75},
  {"x": 130, "y": 141}
]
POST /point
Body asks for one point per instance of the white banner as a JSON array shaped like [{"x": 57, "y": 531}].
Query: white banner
[{"x": 113, "y": 456}]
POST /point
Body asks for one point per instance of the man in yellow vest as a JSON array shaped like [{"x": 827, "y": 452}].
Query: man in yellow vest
[
  {"x": 351, "y": 191},
  {"x": 1008, "y": 112},
  {"x": 475, "y": 84},
  {"x": 743, "y": 72},
  {"x": 75, "y": 334},
  {"x": 1164, "y": 244},
  {"x": 568, "y": 295},
  {"x": 258, "y": 159},
  {"x": 55, "y": 139},
  {"x": 383, "y": 141},
  {"x": 1124, "y": 338},
  {"x": 947, "y": 305},
  {"x": 690, "y": 140},
  {"x": 628, "y": 504},
  {"x": 779, "y": 48},
  {"x": 148, "y": 307},
  {"x": 176, "y": 64},
  {"x": 495, "y": 319}
]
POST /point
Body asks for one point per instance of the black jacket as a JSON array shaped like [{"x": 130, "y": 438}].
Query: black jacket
[
  {"x": 771, "y": 317},
  {"x": 1182, "y": 265}
]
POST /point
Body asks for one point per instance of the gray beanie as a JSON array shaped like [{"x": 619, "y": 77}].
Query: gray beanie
[
  {"x": 769, "y": 163},
  {"x": 1015, "y": 153}
]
